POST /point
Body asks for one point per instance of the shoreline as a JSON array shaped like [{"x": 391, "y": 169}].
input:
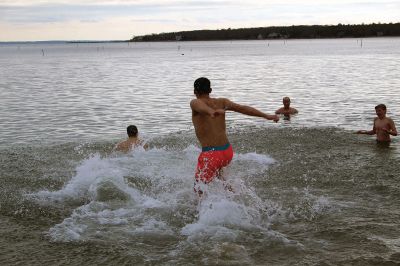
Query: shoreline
[
  {"x": 183, "y": 41},
  {"x": 339, "y": 31},
  {"x": 279, "y": 32}
]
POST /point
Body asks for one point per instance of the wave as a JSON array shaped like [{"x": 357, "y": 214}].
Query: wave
[
  {"x": 286, "y": 183},
  {"x": 141, "y": 190}
]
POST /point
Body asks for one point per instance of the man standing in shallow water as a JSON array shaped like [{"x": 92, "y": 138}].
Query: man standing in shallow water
[
  {"x": 383, "y": 126},
  {"x": 286, "y": 110},
  {"x": 208, "y": 116}
]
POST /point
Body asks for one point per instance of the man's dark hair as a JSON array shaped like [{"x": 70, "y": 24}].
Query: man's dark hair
[
  {"x": 202, "y": 86},
  {"x": 132, "y": 131},
  {"x": 380, "y": 106}
]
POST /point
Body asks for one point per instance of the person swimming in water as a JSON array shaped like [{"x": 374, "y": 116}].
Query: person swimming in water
[
  {"x": 286, "y": 110},
  {"x": 132, "y": 141},
  {"x": 208, "y": 117},
  {"x": 383, "y": 126}
]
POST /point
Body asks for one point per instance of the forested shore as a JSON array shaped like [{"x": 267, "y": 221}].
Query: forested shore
[{"x": 279, "y": 32}]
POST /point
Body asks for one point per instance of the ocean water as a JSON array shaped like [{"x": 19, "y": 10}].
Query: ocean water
[{"x": 307, "y": 191}]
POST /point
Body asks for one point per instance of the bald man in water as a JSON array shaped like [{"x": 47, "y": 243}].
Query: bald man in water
[
  {"x": 286, "y": 110},
  {"x": 208, "y": 116}
]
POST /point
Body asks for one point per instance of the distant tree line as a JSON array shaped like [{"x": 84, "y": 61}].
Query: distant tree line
[{"x": 284, "y": 32}]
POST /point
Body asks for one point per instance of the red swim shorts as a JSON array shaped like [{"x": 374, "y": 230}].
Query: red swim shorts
[{"x": 211, "y": 160}]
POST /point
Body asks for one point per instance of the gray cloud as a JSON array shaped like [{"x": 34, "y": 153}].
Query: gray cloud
[
  {"x": 154, "y": 15},
  {"x": 63, "y": 12},
  {"x": 99, "y": 10}
]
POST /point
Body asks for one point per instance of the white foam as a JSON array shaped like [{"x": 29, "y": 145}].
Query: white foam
[
  {"x": 310, "y": 206},
  {"x": 69, "y": 230},
  {"x": 138, "y": 192},
  {"x": 258, "y": 158},
  {"x": 250, "y": 164},
  {"x": 154, "y": 227},
  {"x": 88, "y": 174},
  {"x": 216, "y": 215}
]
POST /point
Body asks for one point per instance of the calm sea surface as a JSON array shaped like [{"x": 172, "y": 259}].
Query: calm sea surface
[{"x": 307, "y": 191}]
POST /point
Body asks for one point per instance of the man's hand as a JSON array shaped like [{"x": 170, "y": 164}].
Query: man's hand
[
  {"x": 275, "y": 118},
  {"x": 388, "y": 131}
]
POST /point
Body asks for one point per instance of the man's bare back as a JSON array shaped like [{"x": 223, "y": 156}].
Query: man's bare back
[
  {"x": 210, "y": 128},
  {"x": 128, "y": 144},
  {"x": 208, "y": 116}
]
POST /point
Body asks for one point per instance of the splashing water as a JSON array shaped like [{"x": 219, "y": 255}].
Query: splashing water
[{"x": 151, "y": 193}]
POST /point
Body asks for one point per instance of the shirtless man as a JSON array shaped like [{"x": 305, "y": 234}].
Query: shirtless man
[
  {"x": 286, "y": 110},
  {"x": 132, "y": 141},
  {"x": 208, "y": 116},
  {"x": 383, "y": 126}
]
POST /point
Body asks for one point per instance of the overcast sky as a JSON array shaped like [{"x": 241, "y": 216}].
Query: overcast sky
[{"x": 35, "y": 20}]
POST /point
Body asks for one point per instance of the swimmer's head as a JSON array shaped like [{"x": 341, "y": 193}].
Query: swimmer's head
[
  {"x": 381, "y": 106},
  {"x": 132, "y": 131},
  {"x": 286, "y": 102},
  {"x": 380, "y": 110},
  {"x": 202, "y": 86}
]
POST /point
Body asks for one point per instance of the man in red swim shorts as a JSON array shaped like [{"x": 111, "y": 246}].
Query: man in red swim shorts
[
  {"x": 211, "y": 161},
  {"x": 208, "y": 116}
]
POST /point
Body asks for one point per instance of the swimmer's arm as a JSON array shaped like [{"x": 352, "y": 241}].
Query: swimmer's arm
[
  {"x": 118, "y": 147},
  {"x": 248, "y": 110},
  {"x": 394, "y": 130},
  {"x": 368, "y": 132},
  {"x": 143, "y": 144},
  {"x": 202, "y": 108},
  {"x": 121, "y": 147}
]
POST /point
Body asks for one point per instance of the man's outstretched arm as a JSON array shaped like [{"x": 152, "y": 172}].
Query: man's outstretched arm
[
  {"x": 248, "y": 110},
  {"x": 368, "y": 132}
]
